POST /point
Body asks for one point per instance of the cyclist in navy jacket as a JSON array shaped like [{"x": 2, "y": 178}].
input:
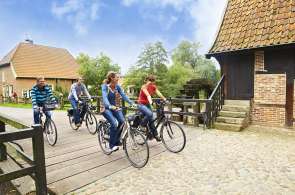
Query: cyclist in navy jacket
[{"x": 40, "y": 94}]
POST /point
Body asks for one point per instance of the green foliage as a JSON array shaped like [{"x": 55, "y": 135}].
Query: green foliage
[
  {"x": 186, "y": 65},
  {"x": 60, "y": 91},
  {"x": 153, "y": 58},
  {"x": 186, "y": 54},
  {"x": 176, "y": 77},
  {"x": 94, "y": 70}
]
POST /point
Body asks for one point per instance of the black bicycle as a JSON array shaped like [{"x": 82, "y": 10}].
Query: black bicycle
[
  {"x": 85, "y": 109},
  {"x": 48, "y": 125},
  {"x": 134, "y": 143},
  {"x": 171, "y": 133}
]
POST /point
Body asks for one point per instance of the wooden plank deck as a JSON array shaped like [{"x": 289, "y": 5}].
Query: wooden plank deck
[{"x": 76, "y": 160}]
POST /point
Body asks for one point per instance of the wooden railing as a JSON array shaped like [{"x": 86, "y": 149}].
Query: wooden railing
[
  {"x": 36, "y": 168},
  {"x": 216, "y": 101}
]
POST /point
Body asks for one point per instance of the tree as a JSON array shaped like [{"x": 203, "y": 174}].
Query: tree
[
  {"x": 94, "y": 70},
  {"x": 186, "y": 53},
  {"x": 176, "y": 77},
  {"x": 153, "y": 58}
]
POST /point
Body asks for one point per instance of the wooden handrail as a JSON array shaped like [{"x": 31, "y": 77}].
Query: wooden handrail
[
  {"x": 217, "y": 87},
  {"x": 37, "y": 166}
]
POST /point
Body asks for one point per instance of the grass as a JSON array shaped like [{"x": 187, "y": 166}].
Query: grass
[{"x": 13, "y": 105}]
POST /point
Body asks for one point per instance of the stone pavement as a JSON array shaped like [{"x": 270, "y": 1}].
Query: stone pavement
[{"x": 213, "y": 162}]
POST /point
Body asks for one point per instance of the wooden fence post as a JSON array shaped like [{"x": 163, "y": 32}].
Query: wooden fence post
[
  {"x": 196, "y": 110},
  {"x": 185, "y": 109},
  {"x": 3, "y": 152},
  {"x": 39, "y": 158}
]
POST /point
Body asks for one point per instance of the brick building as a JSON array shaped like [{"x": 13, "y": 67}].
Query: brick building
[
  {"x": 20, "y": 67},
  {"x": 255, "y": 47}
]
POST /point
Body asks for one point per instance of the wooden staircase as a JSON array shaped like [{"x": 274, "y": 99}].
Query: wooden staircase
[{"x": 234, "y": 115}]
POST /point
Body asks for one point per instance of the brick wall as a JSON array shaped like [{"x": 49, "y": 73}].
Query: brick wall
[{"x": 269, "y": 101}]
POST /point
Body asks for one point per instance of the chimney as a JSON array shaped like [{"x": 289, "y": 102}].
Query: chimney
[{"x": 29, "y": 41}]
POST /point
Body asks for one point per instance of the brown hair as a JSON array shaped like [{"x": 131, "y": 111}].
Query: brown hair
[
  {"x": 150, "y": 78},
  {"x": 110, "y": 75}
]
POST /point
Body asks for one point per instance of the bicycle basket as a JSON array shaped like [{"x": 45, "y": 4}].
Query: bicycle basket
[
  {"x": 49, "y": 106},
  {"x": 134, "y": 120},
  {"x": 70, "y": 112}
]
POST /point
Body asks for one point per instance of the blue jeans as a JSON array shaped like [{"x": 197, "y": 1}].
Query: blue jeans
[
  {"x": 148, "y": 118},
  {"x": 116, "y": 119},
  {"x": 36, "y": 113},
  {"x": 76, "y": 113}
]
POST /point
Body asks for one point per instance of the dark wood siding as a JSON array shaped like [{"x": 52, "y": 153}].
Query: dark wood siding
[{"x": 239, "y": 70}]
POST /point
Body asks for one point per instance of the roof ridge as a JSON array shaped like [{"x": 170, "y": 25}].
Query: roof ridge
[{"x": 24, "y": 43}]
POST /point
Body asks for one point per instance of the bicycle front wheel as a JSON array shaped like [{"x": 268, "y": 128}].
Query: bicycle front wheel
[
  {"x": 103, "y": 139},
  {"x": 136, "y": 148},
  {"x": 173, "y": 136},
  {"x": 91, "y": 123},
  {"x": 51, "y": 132}
]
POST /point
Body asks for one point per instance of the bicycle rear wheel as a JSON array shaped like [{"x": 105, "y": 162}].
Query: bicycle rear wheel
[
  {"x": 103, "y": 139},
  {"x": 136, "y": 148},
  {"x": 50, "y": 132},
  {"x": 72, "y": 123},
  {"x": 173, "y": 136},
  {"x": 91, "y": 122}
]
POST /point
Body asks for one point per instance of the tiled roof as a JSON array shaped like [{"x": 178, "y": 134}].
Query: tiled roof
[
  {"x": 255, "y": 23},
  {"x": 31, "y": 60}
]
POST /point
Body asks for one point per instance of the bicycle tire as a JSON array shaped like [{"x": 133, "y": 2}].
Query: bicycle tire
[
  {"x": 139, "y": 147},
  {"x": 90, "y": 121},
  {"x": 50, "y": 130},
  {"x": 170, "y": 132},
  {"x": 72, "y": 124},
  {"x": 103, "y": 143}
]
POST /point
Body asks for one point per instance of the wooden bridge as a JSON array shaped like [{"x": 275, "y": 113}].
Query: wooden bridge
[{"x": 75, "y": 161}]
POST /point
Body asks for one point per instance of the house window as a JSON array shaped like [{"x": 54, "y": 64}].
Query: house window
[
  {"x": 26, "y": 93},
  {"x": 259, "y": 61},
  {"x": 8, "y": 90}
]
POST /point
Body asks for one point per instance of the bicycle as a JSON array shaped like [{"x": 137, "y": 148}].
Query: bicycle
[
  {"x": 88, "y": 115},
  {"x": 48, "y": 125},
  {"x": 171, "y": 133},
  {"x": 134, "y": 144}
]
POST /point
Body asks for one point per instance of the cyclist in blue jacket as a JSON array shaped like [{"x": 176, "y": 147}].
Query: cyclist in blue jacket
[{"x": 111, "y": 94}]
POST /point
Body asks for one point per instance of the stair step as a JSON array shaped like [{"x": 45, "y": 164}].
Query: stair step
[
  {"x": 235, "y": 108},
  {"x": 228, "y": 127},
  {"x": 232, "y": 114},
  {"x": 237, "y": 102},
  {"x": 230, "y": 120}
]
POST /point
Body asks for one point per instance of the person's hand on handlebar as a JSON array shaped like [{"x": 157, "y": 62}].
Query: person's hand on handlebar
[
  {"x": 37, "y": 108},
  {"x": 134, "y": 106},
  {"x": 114, "y": 108}
]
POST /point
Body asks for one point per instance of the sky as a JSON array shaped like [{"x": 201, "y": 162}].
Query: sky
[{"x": 117, "y": 28}]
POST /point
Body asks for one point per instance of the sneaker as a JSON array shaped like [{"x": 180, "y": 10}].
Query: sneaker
[
  {"x": 114, "y": 148},
  {"x": 158, "y": 139},
  {"x": 78, "y": 125}
]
